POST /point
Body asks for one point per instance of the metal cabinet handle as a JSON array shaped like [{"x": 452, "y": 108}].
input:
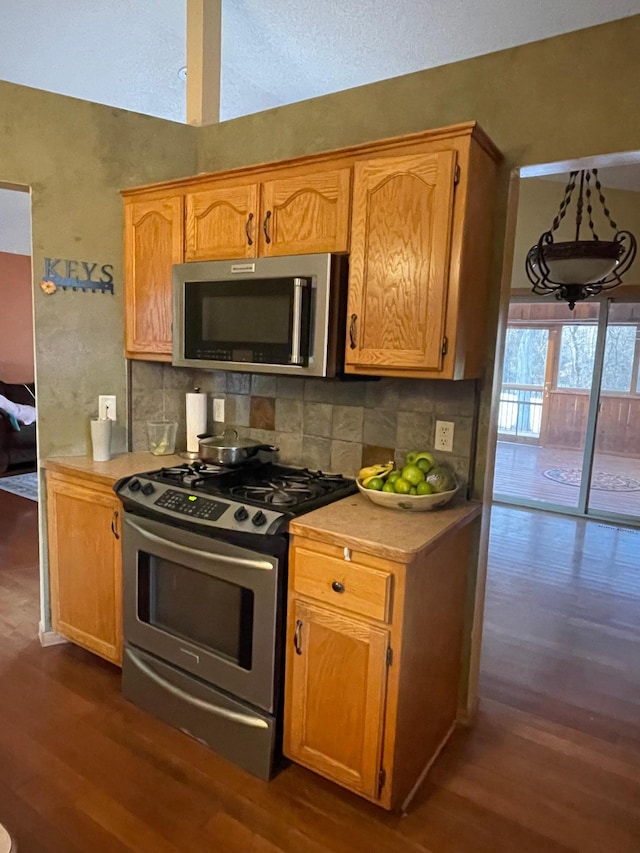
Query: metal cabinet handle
[
  {"x": 114, "y": 522},
  {"x": 247, "y": 229},
  {"x": 296, "y": 637},
  {"x": 265, "y": 226},
  {"x": 353, "y": 331},
  {"x": 336, "y": 586}
]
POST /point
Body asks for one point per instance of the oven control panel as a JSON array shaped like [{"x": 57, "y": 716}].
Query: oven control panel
[
  {"x": 194, "y": 505},
  {"x": 167, "y": 502}
]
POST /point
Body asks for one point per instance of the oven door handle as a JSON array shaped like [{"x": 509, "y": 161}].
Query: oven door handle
[
  {"x": 202, "y": 704},
  {"x": 265, "y": 565}
]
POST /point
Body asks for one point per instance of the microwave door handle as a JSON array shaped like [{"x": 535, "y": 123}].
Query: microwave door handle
[
  {"x": 195, "y": 552},
  {"x": 202, "y": 704},
  {"x": 296, "y": 329}
]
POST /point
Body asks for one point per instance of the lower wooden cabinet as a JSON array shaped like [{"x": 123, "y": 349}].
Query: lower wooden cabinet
[
  {"x": 85, "y": 564},
  {"x": 373, "y": 661},
  {"x": 338, "y": 683}
]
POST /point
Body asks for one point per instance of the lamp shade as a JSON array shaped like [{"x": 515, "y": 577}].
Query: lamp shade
[{"x": 574, "y": 270}]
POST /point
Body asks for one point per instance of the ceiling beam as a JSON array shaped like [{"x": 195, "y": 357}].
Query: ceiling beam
[{"x": 204, "y": 49}]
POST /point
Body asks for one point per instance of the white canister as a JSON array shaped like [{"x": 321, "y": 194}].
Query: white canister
[{"x": 101, "y": 439}]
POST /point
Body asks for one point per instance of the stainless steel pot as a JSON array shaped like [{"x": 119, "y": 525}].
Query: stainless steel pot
[{"x": 228, "y": 449}]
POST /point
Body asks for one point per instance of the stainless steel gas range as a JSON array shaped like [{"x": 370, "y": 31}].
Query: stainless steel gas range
[{"x": 204, "y": 580}]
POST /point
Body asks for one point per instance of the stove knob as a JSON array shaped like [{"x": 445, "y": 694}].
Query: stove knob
[
  {"x": 240, "y": 514},
  {"x": 134, "y": 485},
  {"x": 259, "y": 518},
  {"x": 148, "y": 489}
]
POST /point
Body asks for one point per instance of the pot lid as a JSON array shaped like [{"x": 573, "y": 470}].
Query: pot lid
[{"x": 229, "y": 438}]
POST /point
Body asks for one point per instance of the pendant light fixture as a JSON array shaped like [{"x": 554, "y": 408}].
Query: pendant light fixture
[{"x": 578, "y": 269}]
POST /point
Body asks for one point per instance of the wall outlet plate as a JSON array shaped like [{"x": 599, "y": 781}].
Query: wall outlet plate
[
  {"x": 444, "y": 436},
  {"x": 218, "y": 410},
  {"x": 107, "y": 406}
]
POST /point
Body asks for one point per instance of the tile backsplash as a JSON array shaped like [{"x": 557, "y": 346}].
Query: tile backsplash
[{"x": 331, "y": 424}]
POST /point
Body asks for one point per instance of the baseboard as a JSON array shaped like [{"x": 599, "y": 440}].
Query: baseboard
[
  {"x": 467, "y": 716},
  {"x": 50, "y": 638}
]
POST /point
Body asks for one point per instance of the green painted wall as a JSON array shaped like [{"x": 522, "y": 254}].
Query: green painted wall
[
  {"x": 566, "y": 97},
  {"x": 76, "y": 156},
  {"x": 570, "y": 96},
  {"x": 563, "y": 98}
]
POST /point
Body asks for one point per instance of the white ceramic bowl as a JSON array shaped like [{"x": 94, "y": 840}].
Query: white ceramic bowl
[{"x": 413, "y": 503}]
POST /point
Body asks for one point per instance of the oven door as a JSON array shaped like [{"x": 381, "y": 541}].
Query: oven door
[{"x": 208, "y": 607}]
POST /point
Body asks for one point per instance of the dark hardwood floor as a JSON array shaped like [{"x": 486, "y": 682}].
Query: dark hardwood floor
[{"x": 552, "y": 764}]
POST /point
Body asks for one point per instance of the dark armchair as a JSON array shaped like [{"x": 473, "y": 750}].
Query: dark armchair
[{"x": 17, "y": 447}]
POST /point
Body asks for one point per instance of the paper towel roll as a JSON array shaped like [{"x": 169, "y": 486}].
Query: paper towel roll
[{"x": 196, "y": 418}]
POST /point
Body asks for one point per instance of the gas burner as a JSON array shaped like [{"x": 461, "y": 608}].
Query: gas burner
[
  {"x": 192, "y": 473},
  {"x": 279, "y": 492},
  {"x": 304, "y": 474}
]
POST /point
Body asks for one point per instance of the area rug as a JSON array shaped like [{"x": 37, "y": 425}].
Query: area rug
[
  {"x": 25, "y": 485},
  {"x": 605, "y": 481}
]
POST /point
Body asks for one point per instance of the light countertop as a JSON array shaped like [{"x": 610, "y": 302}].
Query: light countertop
[
  {"x": 107, "y": 473},
  {"x": 352, "y": 522},
  {"x": 400, "y": 535}
]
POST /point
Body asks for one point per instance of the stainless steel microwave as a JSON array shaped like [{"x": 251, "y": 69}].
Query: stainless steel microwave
[{"x": 267, "y": 315}]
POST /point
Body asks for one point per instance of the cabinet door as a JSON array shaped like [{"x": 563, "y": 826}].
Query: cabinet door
[
  {"x": 153, "y": 243},
  {"x": 306, "y": 214},
  {"x": 399, "y": 262},
  {"x": 85, "y": 565},
  {"x": 335, "y": 696},
  {"x": 222, "y": 223}
]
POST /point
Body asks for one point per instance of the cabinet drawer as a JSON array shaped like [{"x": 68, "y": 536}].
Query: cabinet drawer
[{"x": 340, "y": 583}]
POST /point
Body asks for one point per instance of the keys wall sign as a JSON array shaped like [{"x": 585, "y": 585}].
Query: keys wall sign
[{"x": 62, "y": 274}]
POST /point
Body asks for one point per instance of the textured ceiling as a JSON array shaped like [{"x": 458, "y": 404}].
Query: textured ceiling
[{"x": 127, "y": 53}]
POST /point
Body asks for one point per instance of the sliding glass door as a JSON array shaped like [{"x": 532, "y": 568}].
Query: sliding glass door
[
  {"x": 569, "y": 415},
  {"x": 614, "y": 478}
]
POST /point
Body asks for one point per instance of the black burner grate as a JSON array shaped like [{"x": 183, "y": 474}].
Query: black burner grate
[{"x": 262, "y": 484}]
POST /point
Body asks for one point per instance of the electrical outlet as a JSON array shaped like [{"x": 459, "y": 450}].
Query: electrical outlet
[
  {"x": 444, "y": 435},
  {"x": 107, "y": 406},
  {"x": 218, "y": 410}
]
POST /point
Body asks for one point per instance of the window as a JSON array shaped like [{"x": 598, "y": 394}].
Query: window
[
  {"x": 525, "y": 362},
  {"x": 577, "y": 354},
  {"x": 619, "y": 350},
  {"x": 525, "y": 356}
]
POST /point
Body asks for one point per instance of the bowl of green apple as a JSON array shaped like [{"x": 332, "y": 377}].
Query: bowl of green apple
[{"x": 422, "y": 483}]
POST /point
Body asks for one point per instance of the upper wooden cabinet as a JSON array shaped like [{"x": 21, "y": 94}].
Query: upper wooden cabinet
[
  {"x": 153, "y": 242},
  {"x": 285, "y": 215},
  {"x": 304, "y": 214},
  {"x": 420, "y": 258},
  {"x": 418, "y": 232},
  {"x": 222, "y": 223},
  {"x": 399, "y": 271}
]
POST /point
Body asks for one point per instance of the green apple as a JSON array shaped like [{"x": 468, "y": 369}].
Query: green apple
[{"x": 424, "y": 464}]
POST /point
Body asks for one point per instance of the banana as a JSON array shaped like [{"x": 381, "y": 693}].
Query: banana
[{"x": 367, "y": 473}]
